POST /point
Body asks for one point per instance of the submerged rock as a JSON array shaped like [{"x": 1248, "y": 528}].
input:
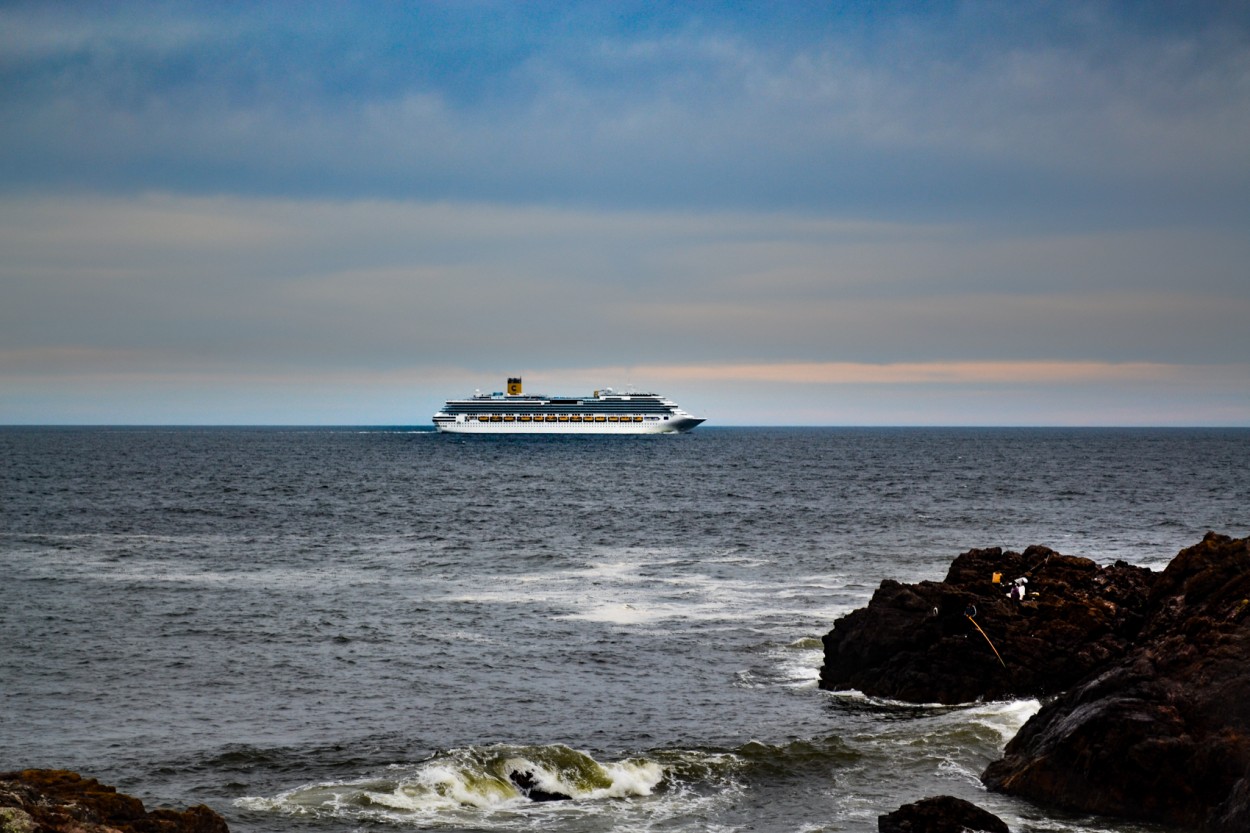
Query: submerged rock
[
  {"x": 941, "y": 814},
  {"x": 1163, "y": 732},
  {"x": 964, "y": 638},
  {"x": 59, "y": 801},
  {"x": 528, "y": 785}
]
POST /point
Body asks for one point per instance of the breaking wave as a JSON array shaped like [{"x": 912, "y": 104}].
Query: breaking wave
[
  {"x": 506, "y": 786},
  {"x": 476, "y": 778}
]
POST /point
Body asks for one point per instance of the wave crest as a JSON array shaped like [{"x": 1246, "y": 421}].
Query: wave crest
[{"x": 480, "y": 778}]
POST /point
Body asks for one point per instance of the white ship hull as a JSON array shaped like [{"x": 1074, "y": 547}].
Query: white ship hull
[{"x": 674, "y": 425}]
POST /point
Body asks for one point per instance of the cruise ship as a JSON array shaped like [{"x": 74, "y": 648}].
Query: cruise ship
[{"x": 603, "y": 412}]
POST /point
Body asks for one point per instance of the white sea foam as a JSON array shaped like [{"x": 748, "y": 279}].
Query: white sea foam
[
  {"x": 885, "y": 702},
  {"x": 477, "y": 779},
  {"x": 622, "y": 614},
  {"x": 1005, "y": 716},
  {"x": 795, "y": 665},
  {"x": 959, "y": 771},
  {"x": 650, "y": 587}
]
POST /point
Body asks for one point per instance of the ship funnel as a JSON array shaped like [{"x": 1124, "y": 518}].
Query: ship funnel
[{"x": 514, "y": 386}]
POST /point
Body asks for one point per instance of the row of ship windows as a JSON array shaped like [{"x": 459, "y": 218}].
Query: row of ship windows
[{"x": 554, "y": 418}]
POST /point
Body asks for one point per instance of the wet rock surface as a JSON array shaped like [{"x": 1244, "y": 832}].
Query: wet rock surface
[
  {"x": 529, "y": 787},
  {"x": 1162, "y": 733},
  {"x": 1147, "y": 675},
  {"x": 965, "y": 638},
  {"x": 941, "y": 814},
  {"x": 60, "y": 801}
]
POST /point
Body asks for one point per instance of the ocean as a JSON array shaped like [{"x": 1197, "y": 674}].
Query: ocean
[{"x": 371, "y": 628}]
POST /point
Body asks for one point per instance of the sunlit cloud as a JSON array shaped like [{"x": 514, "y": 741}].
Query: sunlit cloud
[
  {"x": 111, "y": 365},
  {"x": 929, "y": 373}
]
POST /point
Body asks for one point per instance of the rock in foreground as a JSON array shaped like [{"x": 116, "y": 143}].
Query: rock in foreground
[
  {"x": 59, "y": 801},
  {"x": 1163, "y": 733},
  {"x": 942, "y": 814},
  {"x": 916, "y": 643}
]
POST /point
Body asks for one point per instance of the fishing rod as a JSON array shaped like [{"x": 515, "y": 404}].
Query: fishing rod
[{"x": 987, "y": 638}]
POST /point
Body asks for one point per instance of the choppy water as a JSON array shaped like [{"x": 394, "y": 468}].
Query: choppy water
[{"x": 331, "y": 630}]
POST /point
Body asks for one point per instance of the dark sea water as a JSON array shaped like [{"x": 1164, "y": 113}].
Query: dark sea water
[{"x": 368, "y": 629}]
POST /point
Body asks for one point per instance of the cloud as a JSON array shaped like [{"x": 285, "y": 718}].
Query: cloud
[
  {"x": 374, "y": 284},
  {"x": 1046, "y": 111},
  {"x": 896, "y": 205},
  {"x": 941, "y": 373}
]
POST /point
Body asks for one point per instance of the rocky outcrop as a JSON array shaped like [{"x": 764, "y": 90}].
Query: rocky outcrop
[
  {"x": 964, "y": 638},
  {"x": 59, "y": 801},
  {"x": 1150, "y": 674},
  {"x": 941, "y": 814},
  {"x": 1163, "y": 732}
]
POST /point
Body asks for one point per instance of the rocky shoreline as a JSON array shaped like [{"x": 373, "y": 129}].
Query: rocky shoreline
[
  {"x": 1146, "y": 675},
  {"x": 60, "y": 801}
]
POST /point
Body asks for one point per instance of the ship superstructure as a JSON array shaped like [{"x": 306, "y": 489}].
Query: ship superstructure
[{"x": 604, "y": 412}]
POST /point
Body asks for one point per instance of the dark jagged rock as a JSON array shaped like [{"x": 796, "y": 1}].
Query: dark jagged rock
[
  {"x": 1152, "y": 672},
  {"x": 528, "y": 785},
  {"x": 59, "y": 801},
  {"x": 1163, "y": 733},
  {"x": 915, "y": 643},
  {"x": 941, "y": 814}
]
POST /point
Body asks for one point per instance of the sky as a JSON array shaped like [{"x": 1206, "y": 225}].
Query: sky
[{"x": 794, "y": 213}]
